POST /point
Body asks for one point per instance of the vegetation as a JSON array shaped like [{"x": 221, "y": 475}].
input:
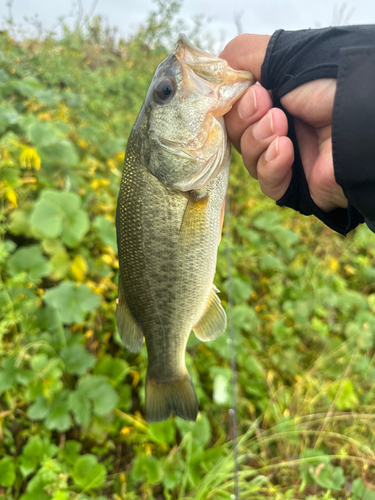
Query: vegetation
[{"x": 71, "y": 396}]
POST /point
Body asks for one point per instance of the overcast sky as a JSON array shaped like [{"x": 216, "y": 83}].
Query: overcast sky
[{"x": 258, "y": 16}]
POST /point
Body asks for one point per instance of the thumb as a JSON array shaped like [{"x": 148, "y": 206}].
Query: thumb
[{"x": 246, "y": 52}]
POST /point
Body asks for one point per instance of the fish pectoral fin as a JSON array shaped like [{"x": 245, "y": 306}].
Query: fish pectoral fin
[
  {"x": 175, "y": 396},
  {"x": 214, "y": 320},
  {"x": 195, "y": 220},
  {"x": 130, "y": 332}
]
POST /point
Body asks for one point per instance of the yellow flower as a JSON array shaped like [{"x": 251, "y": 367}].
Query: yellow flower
[
  {"x": 11, "y": 196},
  {"x": 29, "y": 157},
  {"x": 79, "y": 268},
  {"x": 334, "y": 264},
  {"x": 45, "y": 116},
  {"x": 148, "y": 449},
  {"x": 126, "y": 430},
  {"x": 135, "y": 376},
  {"x": 111, "y": 163},
  {"x": 83, "y": 144},
  {"x": 107, "y": 259},
  {"x": 99, "y": 182},
  {"x": 89, "y": 334}
]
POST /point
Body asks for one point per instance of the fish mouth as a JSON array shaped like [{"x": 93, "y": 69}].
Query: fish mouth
[
  {"x": 216, "y": 77},
  {"x": 209, "y": 67}
]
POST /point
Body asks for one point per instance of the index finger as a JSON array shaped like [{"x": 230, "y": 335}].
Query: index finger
[{"x": 246, "y": 52}]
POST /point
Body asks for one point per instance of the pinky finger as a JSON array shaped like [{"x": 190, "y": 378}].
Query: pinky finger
[{"x": 275, "y": 167}]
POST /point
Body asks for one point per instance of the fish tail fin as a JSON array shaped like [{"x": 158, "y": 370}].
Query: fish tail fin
[{"x": 177, "y": 396}]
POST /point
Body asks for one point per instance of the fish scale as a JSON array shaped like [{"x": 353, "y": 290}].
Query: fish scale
[{"x": 168, "y": 220}]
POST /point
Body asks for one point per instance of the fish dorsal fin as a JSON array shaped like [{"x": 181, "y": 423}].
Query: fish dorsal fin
[
  {"x": 130, "y": 332},
  {"x": 214, "y": 320}
]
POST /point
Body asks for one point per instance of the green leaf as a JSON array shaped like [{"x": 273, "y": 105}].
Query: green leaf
[
  {"x": 268, "y": 221},
  {"x": 59, "y": 417},
  {"x": 20, "y": 222},
  {"x": 271, "y": 263},
  {"x": 316, "y": 458},
  {"x": 330, "y": 477},
  {"x": 35, "y": 451},
  {"x": 71, "y": 301},
  {"x": 112, "y": 146},
  {"x": 47, "y": 219},
  {"x": 105, "y": 399},
  {"x": 43, "y": 133},
  {"x": 8, "y": 375},
  {"x": 100, "y": 392},
  {"x": 342, "y": 392},
  {"x": 87, "y": 473},
  {"x": 200, "y": 429},
  {"x": 62, "y": 153},
  {"x": 163, "y": 432},
  {"x": 7, "y": 471},
  {"x": 76, "y": 359},
  {"x": 27, "y": 86},
  {"x": 115, "y": 369},
  {"x": 147, "y": 467},
  {"x": 61, "y": 265},
  {"x": 358, "y": 489},
  {"x": 39, "y": 409},
  {"x": 368, "y": 495},
  {"x": 31, "y": 261},
  {"x": 242, "y": 289},
  {"x": 47, "y": 97},
  {"x": 70, "y": 452},
  {"x": 80, "y": 406},
  {"x": 245, "y": 318},
  {"x": 8, "y": 116},
  {"x": 61, "y": 495},
  {"x": 74, "y": 228},
  {"x": 59, "y": 214},
  {"x": 107, "y": 231},
  {"x": 286, "y": 237}
]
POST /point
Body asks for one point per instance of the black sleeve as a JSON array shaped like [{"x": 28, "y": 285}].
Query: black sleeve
[{"x": 348, "y": 54}]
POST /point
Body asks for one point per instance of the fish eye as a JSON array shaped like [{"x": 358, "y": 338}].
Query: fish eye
[{"x": 164, "y": 90}]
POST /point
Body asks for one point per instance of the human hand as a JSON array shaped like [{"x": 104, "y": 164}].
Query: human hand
[{"x": 259, "y": 131}]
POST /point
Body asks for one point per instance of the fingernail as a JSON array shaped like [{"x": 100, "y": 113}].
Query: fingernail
[
  {"x": 273, "y": 150},
  {"x": 248, "y": 105},
  {"x": 264, "y": 128}
]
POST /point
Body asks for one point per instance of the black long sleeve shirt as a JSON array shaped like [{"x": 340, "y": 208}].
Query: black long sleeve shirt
[{"x": 348, "y": 54}]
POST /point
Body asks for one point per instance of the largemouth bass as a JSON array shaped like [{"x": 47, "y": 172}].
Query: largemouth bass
[{"x": 169, "y": 219}]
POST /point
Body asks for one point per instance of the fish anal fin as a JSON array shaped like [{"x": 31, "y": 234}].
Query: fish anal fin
[
  {"x": 213, "y": 321},
  {"x": 130, "y": 332},
  {"x": 175, "y": 396}
]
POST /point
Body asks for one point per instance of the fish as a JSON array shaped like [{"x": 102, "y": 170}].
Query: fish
[{"x": 169, "y": 220}]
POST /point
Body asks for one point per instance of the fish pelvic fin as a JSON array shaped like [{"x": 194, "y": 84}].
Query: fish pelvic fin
[
  {"x": 130, "y": 332},
  {"x": 213, "y": 321},
  {"x": 177, "y": 396}
]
